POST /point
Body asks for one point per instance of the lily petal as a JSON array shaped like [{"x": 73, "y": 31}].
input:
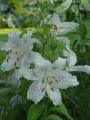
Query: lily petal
[
  {"x": 63, "y": 80},
  {"x": 67, "y": 80},
  {"x": 30, "y": 74},
  {"x": 1, "y": 44},
  {"x": 55, "y": 20},
  {"x": 9, "y": 63},
  {"x": 36, "y": 91},
  {"x": 15, "y": 77},
  {"x": 59, "y": 63},
  {"x": 71, "y": 56},
  {"x": 66, "y": 27},
  {"x": 13, "y": 36},
  {"x": 26, "y": 39},
  {"x": 5, "y": 46},
  {"x": 80, "y": 68},
  {"x": 54, "y": 95},
  {"x": 39, "y": 60}
]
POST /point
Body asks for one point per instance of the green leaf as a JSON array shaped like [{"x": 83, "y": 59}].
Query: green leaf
[
  {"x": 61, "y": 109},
  {"x": 63, "y": 7},
  {"x": 35, "y": 111},
  {"x": 54, "y": 117}
]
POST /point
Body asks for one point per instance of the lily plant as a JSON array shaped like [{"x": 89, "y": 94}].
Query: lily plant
[{"x": 47, "y": 77}]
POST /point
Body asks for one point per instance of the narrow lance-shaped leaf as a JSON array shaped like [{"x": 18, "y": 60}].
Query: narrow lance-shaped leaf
[{"x": 61, "y": 109}]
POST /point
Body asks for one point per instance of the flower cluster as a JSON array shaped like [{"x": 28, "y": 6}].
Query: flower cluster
[{"x": 47, "y": 77}]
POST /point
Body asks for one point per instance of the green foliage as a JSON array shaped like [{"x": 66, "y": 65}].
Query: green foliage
[
  {"x": 35, "y": 111},
  {"x": 41, "y": 111},
  {"x": 61, "y": 109},
  {"x": 54, "y": 117}
]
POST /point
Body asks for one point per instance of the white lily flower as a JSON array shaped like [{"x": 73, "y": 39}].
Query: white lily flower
[
  {"x": 19, "y": 50},
  {"x": 48, "y": 78},
  {"x": 61, "y": 28},
  {"x": 72, "y": 60}
]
